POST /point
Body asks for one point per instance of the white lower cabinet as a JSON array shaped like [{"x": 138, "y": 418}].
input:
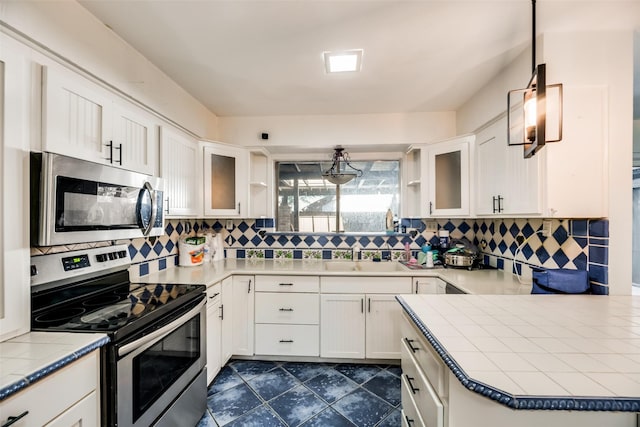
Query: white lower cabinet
[
  {"x": 429, "y": 285},
  {"x": 359, "y": 325},
  {"x": 432, "y": 396},
  {"x": 226, "y": 321},
  {"x": 242, "y": 314},
  {"x": 65, "y": 398},
  {"x": 214, "y": 331},
  {"x": 287, "y": 315}
]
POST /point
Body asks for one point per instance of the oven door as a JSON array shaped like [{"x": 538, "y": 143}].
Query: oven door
[
  {"x": 153, "y": 370},
  {"x": 81, "y": 201}
]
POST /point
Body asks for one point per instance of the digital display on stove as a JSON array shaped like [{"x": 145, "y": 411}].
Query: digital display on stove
[{"x": 75, "y": 262}]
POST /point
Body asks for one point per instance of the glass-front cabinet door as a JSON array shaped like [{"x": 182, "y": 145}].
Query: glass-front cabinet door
[
  {"x": 449, "y": 172},
  {"x": 225, "y": 181}
]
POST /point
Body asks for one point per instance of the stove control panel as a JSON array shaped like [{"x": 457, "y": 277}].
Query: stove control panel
[
  {"x": 77, "y": 261},
  {"x": 50, "y": 268}
]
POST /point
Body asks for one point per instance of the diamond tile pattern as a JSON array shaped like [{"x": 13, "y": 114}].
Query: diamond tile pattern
[
  {"x": 257, "y": 393},
  {"x": 573, "y": 244}
]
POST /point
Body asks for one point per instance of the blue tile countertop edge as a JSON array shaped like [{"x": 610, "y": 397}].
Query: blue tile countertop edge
[
  {"x": 23, "y": 383},
  {"x": 520, "y": 402}
]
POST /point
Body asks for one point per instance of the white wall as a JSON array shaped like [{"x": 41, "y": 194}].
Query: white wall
[
  {"x": 68, "y": 29},
  {"x": 329, "y": 130}
]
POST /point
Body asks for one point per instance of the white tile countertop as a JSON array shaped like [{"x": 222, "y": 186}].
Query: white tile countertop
[
  {"x": 27, "y": 358},
  {"x": 488, "y": 281},
  {"x": 538, "y": 351}
]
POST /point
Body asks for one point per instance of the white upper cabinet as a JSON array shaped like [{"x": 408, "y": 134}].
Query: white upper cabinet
[
  {"x": 225, "y": 180},
  {"x": 15, "y": 128},
  {"x": 84, "y": 120},
  {"x": 449, "y": 170},
  {"x": 180, "y": 166},
  {"x": 506, "y": 183}
]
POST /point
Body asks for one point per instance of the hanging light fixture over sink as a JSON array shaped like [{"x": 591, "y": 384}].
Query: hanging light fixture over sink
[
  {"x": 534, "y": 114},
  {"x": 338, "y": 173}
]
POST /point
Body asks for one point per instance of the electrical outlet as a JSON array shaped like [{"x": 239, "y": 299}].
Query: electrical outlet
[
  {"x": 519, "y": 239},
  {"x": 431, "y": 226},
  {"x": 229, "y": 224},
  {"x": 546, "y": 227}
]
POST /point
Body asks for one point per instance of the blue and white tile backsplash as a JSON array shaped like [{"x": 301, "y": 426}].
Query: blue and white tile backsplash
[{"x": 573, "y": 244}]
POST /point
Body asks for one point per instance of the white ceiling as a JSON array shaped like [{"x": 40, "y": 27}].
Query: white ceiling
[{"x": 264, "y": 57}]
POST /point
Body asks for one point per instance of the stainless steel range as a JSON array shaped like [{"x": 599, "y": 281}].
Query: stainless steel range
[{"x": 153, "y": 370}]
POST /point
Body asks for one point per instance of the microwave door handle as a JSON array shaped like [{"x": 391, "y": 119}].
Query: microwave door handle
[
  {"x": 154, "y": 204},
  {"x": 165, "y": 330}
]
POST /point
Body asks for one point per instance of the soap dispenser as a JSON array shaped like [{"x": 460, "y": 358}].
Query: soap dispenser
[{"x": 389, "y": 221}]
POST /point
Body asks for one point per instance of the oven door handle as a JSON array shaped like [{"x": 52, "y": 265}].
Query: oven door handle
[{"x": 128, "y": 348}]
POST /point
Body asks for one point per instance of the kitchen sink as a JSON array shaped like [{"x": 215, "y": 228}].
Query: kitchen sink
[{"x": 364, "y": 266}]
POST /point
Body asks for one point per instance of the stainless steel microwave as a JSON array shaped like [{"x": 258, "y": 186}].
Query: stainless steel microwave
[{"x": 76, "y": 201}]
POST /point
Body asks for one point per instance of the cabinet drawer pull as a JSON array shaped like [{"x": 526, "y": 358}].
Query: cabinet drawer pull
[
  {"x": 110, "y": 158},
  {"x": 12, "y": 420},
  {"x": 249, "y": 289},
  {"x": 222, "y": 311},
  {"x": 166, "y": 209},
  {"x": 412, "y": 348},
  {"x": 361, "y": 305},
  {"x": 286, "y": 309},
  {"x": 408, "y": 420},
  {"x": 214, "y": 295},
  {"x": 286, "y": 341},
  {"x": 414, "y": 390},
  {"x": 285, "y": 284}
]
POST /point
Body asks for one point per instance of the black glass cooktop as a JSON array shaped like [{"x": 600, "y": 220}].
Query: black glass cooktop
[{"x": 107, "y": 304}]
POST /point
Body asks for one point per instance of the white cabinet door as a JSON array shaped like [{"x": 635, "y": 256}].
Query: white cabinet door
[
  {"x": 225, "y": 181},
  {"x": 506, "y": 184},
  {"x": 243, "y": 303},
  {"x": 449, "y": 169},
  {"x": 226, "y": 320},
  {"x": 180, "y": 168},
  {"x": 82, "y": 414},
  {"x": 214, "y": 331},
  {"x": 76, "y": 116},
  {"x": 491, "y": 171},
  {"x": 15, "y": 128},
  {"x": 342, "y": 326},
  {"x": 82, "y": 119},
  {"x": 135, "y": 134},
  {"x": 384, "y": 316},
  {"x": 429, "y": 285}
]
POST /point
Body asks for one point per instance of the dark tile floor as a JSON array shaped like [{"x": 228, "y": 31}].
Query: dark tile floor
[{"x": 265, "y": 394}]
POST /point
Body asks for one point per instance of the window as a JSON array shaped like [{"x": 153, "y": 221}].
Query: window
[{"x": 308, "y": 203}]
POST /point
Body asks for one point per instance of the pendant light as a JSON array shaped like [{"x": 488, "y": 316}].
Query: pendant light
[
  {"x": 534, "y": 114},
  {"x": 338, "y": 174}
]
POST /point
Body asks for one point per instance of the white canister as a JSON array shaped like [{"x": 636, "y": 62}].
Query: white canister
[{"x": 191, "y": 251}]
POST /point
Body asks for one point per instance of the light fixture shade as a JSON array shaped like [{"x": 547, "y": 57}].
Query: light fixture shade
[
  {"x": 534, "y": 114},
  {"x": 337, "y": 174},
  {"x": 339, "y": 178}
]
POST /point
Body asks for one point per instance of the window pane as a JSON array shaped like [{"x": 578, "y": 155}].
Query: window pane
[{"x": 308, "y": 203}]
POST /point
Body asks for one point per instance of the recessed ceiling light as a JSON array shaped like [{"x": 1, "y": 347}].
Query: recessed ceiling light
[{"x": 339, "y": 62}]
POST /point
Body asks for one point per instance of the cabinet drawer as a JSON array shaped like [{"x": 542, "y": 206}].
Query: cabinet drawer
[
  {"x": 287, "y": 284},
  {"x": 53, "y": 395},
  {"x": 366, "y": 285},
  {"x": 427, "y": 359},
  {"x": 213, "y": 293},
  {"x": 288, "y": 340},
  {"x": 287, "y": 308},
  {"x": 410, "y": 414},
  {"x": 419, "y": 389}
]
